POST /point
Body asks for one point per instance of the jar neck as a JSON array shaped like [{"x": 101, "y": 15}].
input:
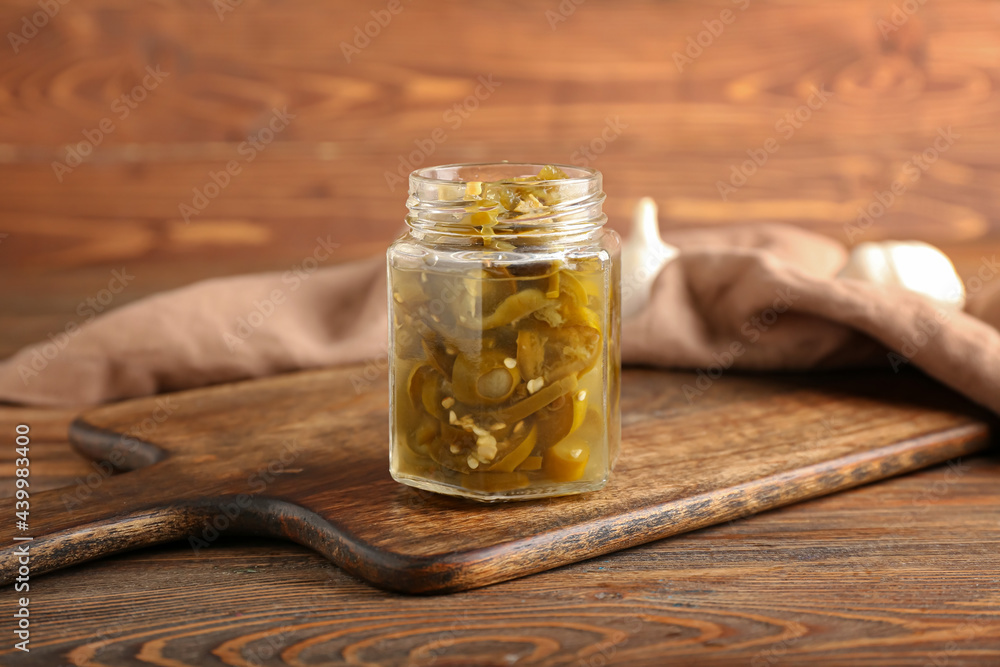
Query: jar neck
[{"x": 461, "y": 203}]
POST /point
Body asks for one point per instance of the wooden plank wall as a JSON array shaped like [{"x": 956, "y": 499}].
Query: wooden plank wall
[{"x": 562, "y": 73}]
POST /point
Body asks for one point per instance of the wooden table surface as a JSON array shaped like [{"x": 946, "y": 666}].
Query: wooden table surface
[{"x": 905, "y": 572}]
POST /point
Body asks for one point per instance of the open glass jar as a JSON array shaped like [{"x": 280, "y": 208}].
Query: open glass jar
[{"x": 504, "y": 331}]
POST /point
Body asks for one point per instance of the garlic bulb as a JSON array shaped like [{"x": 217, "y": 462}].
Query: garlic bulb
[
  {"x": 643, "y": 255},
  {"x": 912, "y": 265}
]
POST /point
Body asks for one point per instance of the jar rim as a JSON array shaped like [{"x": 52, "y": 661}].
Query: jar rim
[
  {"x": 441, "y": 201},
  {"x": 574, "y": 174}
]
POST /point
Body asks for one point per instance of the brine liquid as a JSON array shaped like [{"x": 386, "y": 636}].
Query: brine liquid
[{"x": 504, "y": 379}]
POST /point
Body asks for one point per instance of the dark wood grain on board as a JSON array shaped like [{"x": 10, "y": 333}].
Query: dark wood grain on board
[{"x": 303, "y": 457}]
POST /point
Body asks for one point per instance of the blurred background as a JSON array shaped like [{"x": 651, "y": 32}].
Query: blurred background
[{"x": 180, "y": 140}]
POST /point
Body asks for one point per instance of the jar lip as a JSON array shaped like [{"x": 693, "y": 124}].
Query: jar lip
[
  {"x": 441, "y": 201},
  {"x": 574, "y": 174}
]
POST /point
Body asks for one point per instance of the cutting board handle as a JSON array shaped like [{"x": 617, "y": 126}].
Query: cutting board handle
[{"x": 103, "y": 513}]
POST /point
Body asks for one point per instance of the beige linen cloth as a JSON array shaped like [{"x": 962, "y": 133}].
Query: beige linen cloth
[{"x": 749, "y": 297}]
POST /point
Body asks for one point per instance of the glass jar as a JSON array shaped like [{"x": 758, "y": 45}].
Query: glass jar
[{"x": 504, "y": 327}]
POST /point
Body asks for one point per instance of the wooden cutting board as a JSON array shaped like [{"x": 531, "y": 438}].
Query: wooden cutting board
[{"x": 305, "y": 457}]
